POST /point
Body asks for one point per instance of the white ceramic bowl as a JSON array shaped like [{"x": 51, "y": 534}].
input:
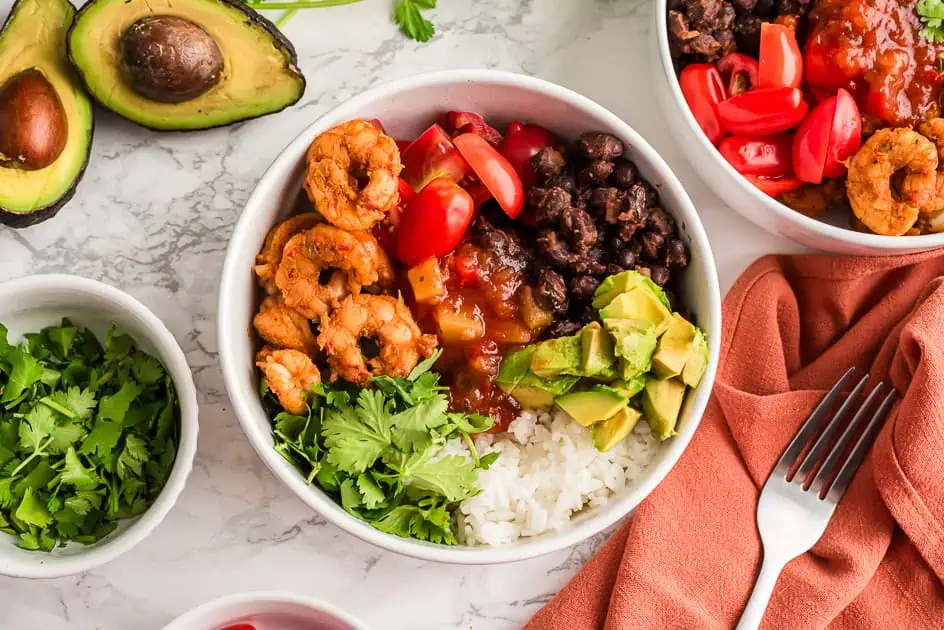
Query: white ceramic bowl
[
  {"x": 406, "y": 107},
  {"x": 263, "y": 610},
  {"x": 832, "y": 233},
  {"x": 31, "y": 303}
]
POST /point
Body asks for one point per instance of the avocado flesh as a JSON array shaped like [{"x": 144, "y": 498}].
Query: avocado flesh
[
  {"x": 531, "y": 391},
  {"x": 674, "y": 348},
  {"x": 614, "y": 430},
  {"x": 635, "y": 344},
  {"x": 639, "y": 303},
  {"x": 592, "y": 406},
  {"x": 34, "y": 37},
  {"x": 698, "y": 361},
  {"x": 557, "y": 356},
  {"x": 596, "y": 346},
  {"x": 259, "y": 76},
  {"x": 624, "y": 282},
  {"x": 661, "y": 403},
  {"x": 630, "y": 387}
]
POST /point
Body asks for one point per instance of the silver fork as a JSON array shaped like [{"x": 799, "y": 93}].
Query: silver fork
[{"x": 794, "y": 510}]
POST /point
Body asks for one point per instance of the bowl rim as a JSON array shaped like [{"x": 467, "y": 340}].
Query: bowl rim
[
  {"x": 234, "y": 272},
  {"x": 106, "y": 550},
  {"x": 185, "y": 621},
  {"x": 889, "y": 244}
]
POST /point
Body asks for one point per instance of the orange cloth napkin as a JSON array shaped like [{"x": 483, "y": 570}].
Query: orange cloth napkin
[{"x": 792, "y": 326}]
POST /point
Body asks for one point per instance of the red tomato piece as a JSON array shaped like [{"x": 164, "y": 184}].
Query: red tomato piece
[
  {"x": 521, "y": 143},
  {"x": 240, "y": 626},
  {"x": 812, "y": 142},
  {"x": 740, "y": 71},
  {"x": 480, "y": 194},
  {"x": 466, "y": 270},
  {"x": 403, "y": 144},
  {"x": 703, "y": 91},
  {"x": 774, "y": 186},
  {"x": 430, "y": 156},
  {"x": 763, "y": 112},
  {"x": 768, "y": 157},
  {"x": 434, "y": 222},
  {"x": 406, "y": 192},
  {"x": 780, "y": 63},
  {"x": 845, "y": 136},
  {"x": 494, "y": 170},
  {"x": 458, "y": 123}
]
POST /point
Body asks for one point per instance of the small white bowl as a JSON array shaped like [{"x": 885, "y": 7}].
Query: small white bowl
[
  {"x": 34, "y": 302},
  {"x": 831, "y": 234},
  {"x": 406, "y": 107},
  {"x": 257, "y": 608}
]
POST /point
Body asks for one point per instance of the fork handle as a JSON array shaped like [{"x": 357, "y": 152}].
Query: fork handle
[{"x": 760, "y": 597}]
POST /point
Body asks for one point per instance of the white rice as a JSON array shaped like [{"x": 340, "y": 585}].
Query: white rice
[{"x": 547, "y": 471}]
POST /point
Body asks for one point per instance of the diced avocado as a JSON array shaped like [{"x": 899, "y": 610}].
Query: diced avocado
[
  {"x": 635, "y": 344},
  {"x": 623, "y": 283},
  {"x": 674, "y": 348},
  {"x": 630, "y": 387},
  {"x": 639, "y": 304},
  {"x": 697, "y": 362},
  {"x": 514, "y": 367},
  {"x": 557, "y": 356},
  {"x": 613, "y": 430},
  {"x": 594, "y": 405},
  {"x": 661, "y": 402},
  {"x": 534, "y": 392},
  {"x": 599, "y": 361}
]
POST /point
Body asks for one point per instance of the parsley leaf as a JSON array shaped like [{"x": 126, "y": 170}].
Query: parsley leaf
[
  {"x": 931, "y": 13},
  {"x": 408, "y": 17}
]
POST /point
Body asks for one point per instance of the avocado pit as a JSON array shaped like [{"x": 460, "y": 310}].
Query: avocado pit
[
  {"x": 33, "y": 123},
  {"x": 170, "y": 59}
]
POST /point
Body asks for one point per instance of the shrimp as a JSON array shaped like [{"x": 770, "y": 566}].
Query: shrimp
[
  {"x": 933, "y": 130},
  {"x": 814, "y": 199},
  {"x": 267, "y": 262},
  {"x": 388, "y": 323},
  {"x": 284, "y": 327},
  {"x": 324, "y": 264},
  {"x": 291, "y": 375},
  {"x": 353, "y": 175},
  {"x": 892, "y": 156}
]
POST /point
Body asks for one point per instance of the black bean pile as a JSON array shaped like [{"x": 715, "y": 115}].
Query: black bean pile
[
  {"x": 706, "y": 30},
  {"x": 596, "y": 217}
]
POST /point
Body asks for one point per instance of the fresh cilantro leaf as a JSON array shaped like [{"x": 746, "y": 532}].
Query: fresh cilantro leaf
[
  {"x": 356, "y": 437},
  {"x": 424, "y": 366},
  {"x": 5, "y": 347},
  {"x": 102, "y": 440},
  {"x": 408, "y": 17},
  {"x": 7, "y": 498},
  {"x": 65, "y": 435},
  {"x": 413, "y": 425},
  {"x": 410, "y": 521},
  {"x": 931, "y": 13},
  {"x": 115, "y": 406},
  {"x": 37, "y": 478},
  {"x": 117, "y": 345},
  {"x": 453, "y": 477},
  {"x": 32, "y": 511},
  {"x": 25, "y": 371},
  {"x": 80, "y": 504},
  {"x": 488, "y": 459},
  {"x": 146, "y": 369},
  {"x": 77, "y": 475},
  {"x": 79, "y": 403},
  {"x": 132, "y": 458},
  {"x": 60, "y": 339},
  {"x": 28, "y": 541},
  {"x": 36, "y": 427},
  {"x": 350, "y": 496},
  {"x": 371, "y": 493}
]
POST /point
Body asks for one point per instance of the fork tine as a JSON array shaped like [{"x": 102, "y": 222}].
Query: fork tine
[
  {"x": 811, "y": 426},
  {"x": 839, "y": 449},
  {"x": 849, "y": 468},
  {"x": 816, "y": 452}
]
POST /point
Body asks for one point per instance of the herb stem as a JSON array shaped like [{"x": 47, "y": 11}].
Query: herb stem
[
  {"x": 472, "y": 449},
  {"x": 288, "y": 15},
  {"x": 52, "y": 404},
  {"x": 265, "y": 5},
  {"x": 39, "y": 451}
]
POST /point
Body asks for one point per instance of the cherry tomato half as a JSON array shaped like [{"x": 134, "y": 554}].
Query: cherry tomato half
[
  {"x": 780, "y": 63},
  {"x": 763, "y": 112},
  {"x": 494, "y": 170},
  {"x": 434, "y": 222},
  {"x": 458, "y": 123},
  {"x": 430, "y": 156},
  {"x": 831, "y": 134},
  {"x": 768, "y": 157},
  {"x": 521, "y": 143},
  {"x": 703, "y": 91},
  {"x": 845, "y": 137},
  {"x": 740, "y": 71},
  {"x": 774, "y": 186}
]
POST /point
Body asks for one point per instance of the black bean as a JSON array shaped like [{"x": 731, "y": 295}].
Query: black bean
[
  {"x": 594, "y": 172},
  {"x": 702, "y": 13},
  {"x": 652, "y": 197},
  {"x": 552, "y": 291},
  {"x": 652, "y": 243},
  {"x": 659, "y": 275},
  {"x": 660, "y": 221},
  {"x": 614, "y": 243},
  {"x": 579, "y": 228},
  {"x": 587, "y": 315},
  {"x": 676, "y": 254},
  {"x": 535, "y": 196},
  {"x": 607, "y": 201},
  {"x": 765, "y": 8},
  {"x": 583, "y": 286},
  {"x": 556, "y": 200},
  {"x": 596, "y": 145},
  {"x": 565, "y": 181},
  {"x": 747, "y": 33},
  {"x": 554, "y": 249},
  {"x": 562, "y": 328},
  {"x": 624, "y": 173},
  {"x": 626, "y": 259},
  {"x": 548, "y": 162},
  {"x": 744, "y": 6},
  {"x": 613, "y": 269}
]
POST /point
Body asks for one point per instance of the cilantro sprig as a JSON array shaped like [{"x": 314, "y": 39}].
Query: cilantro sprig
[
  {"x": 407, "y": 14},
  {"x": 931, "y": 13},
  {"x": 378, "y": 451},
  {"x": 88, "y": 434}
]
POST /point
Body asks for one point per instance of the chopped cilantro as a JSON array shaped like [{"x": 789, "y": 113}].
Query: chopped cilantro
[
  {"x": 88, "y": 434},
  {"x": 931, "y": 13},
  {"x": 408, "y": 17}
]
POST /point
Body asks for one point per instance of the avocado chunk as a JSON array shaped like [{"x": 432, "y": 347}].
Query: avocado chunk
[
  {"x": 674, "y": 348},
  {"x": 614, "y": 430},
  {"x": 594, "y": 405},
  {"x": 697, "y": 362},
  {"x": 631, "y": 387},
  {"x": 639, "y": 303},
  {"x": 557, "y": 356},
  {"x": 599, "y": 360},
  {"x": 45, "y": 115},
  {"x": 635, "y": 344},
  {"x": 661, "y": 402},
  {"x": 184, "y": 64},
  {"x": 624, "y": 282},
  {"x": 534, "y": 392}
]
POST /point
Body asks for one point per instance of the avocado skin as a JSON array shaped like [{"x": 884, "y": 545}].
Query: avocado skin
[
  {"x": 26, "y": 219},
  {"x": 252, "y": 16}
]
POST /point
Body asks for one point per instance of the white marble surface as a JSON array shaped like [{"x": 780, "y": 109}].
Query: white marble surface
[{"x": 153, "y": 216}]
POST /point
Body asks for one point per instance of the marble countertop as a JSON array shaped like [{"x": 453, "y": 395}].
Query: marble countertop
[{"x": 153, "y": 216}]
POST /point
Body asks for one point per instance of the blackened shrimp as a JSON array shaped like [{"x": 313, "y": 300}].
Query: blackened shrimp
[
  {"x": 291, "y": 375},
  {"x": 284, "y": 327},
  {"x": 267, "y": 262}
]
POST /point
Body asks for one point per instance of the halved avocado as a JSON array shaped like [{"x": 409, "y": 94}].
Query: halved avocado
[
  {"x": 45, "y": 115},
  {"x": 184, "y": 64}
]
